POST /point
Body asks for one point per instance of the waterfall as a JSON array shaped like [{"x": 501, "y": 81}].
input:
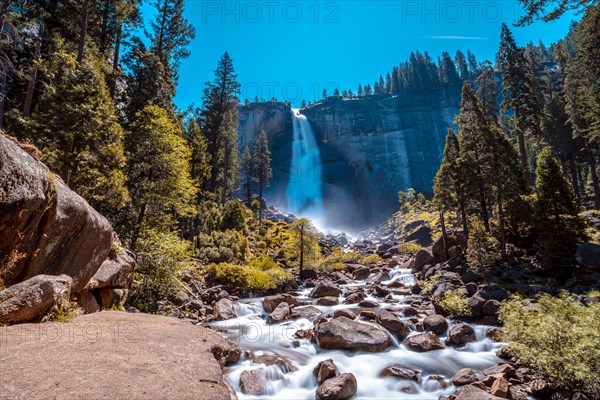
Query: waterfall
[{"x": 304, "y": 191}]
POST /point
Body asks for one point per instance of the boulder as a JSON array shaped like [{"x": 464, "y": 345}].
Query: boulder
[
  {"x": 368, "y": 304},
  {"x": 506, "y": 370},
  {"x": 471, "y": 392},
  {"x": 393, "y": 324},
  {"x": 354, "y": 298},
  {"x": 436, "y": 324},
  {"x": 423, "y": 258},
  {"x": 344, "y": 313},
  {"x": 423, "y": 342},
  {"x": 491, "y": 307},
  {"x": 476, "y": 303},
  {"x": 421, "y": 236},
  {"x": 461, "y": 334},
  {"x": 32, "y": 299},
  {"x": 500, "y": 387},
  {"x": 464, "y": 377},
  {"x": 226, "y": 352},
  {"x": 224, "y": 309},
  {"x": 439, "y": 250},
  {"x": 361, "y": 273},
  {"x": 88, "y": 302},
  {"x": 308, "y": 274},
  {"x": 113, "y": 298},
  {"x": 325, "y": 370},
  {"x": 308, "y": 312},
  {"x": 253, "y": 382},
  {"x": 492, "y": 291},
  {"x": 46, "y": 228},
  {"x": 117, "y": 271},
  {"x": 344, "y": 333},
  {"x": 341, "y": 387},
  {"x": 269, "y": 358},
  {"x": 588, "y": 254},
  {"x": 271, "y": 302},
  {"x": 325, "y": 289},
  {"x": 327, "y": 301},
  {"x": 280, "y": 314},
  {"x": 401, "y": 372},
  {"x": 454, "y": 252}
]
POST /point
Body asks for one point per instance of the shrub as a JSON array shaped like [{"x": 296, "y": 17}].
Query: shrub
[
  {"x": 454, "y": 303},
  {"x": 259, "y": 275},
  {"x": 427, "y": 284},
  {"x": 161, "y": 256},
  {"x": 409, "y": 248},
  {"x": 61, "y": 313},
  {"x": 558, "y": 337},
  {"x": 229, "y": 275},
  {"x": 233, "y": 216},
  {"x": 228, "y": 246},
  {"x": 483, "y": 247},
  {"x": 370, "y": 259}
]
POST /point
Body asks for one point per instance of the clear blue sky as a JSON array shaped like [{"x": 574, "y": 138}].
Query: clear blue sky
[{"x": 291, "y": 49}]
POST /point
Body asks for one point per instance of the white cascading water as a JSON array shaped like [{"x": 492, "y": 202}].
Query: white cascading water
[
  {"x": 305, "y": 187},
  {"x": 263, "y": 342}
]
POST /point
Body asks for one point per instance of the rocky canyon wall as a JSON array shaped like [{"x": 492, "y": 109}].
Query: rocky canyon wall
[{"x": 371, "y": 147}]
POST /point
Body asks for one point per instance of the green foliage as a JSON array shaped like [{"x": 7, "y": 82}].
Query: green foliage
[
  {"x": 215, "y": 247},
  {"x": 62, "y": 313},
  {"x": 454, "y": 303},
  {"x": 263, "y": 172},
  {"x": 427, "y": 284},
  {"x": 304, "y": 244},
  {"x": 409, "y": 248},
  {"x": 260, "y": 274},
  {"x": 161, "y": 257},
  {"x": 558, "y": 337},
  {"x": 483, "y": 247},
  {"x": 233, "y": 216},
  {"x": 558, "y": 223}
]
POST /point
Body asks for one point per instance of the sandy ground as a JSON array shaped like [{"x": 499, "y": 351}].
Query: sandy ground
[{"x": 110, "y": 355}]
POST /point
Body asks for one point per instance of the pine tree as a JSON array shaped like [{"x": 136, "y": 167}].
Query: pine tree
[
  {"x": 518, "y": 89},
  {"x": 248, "y": 172},
  {"x": 79, "y": 132},
  {"x": 360, "y": 92},
  {"x": 461, "y": 63},
  {"x": 263, "y": 172},
  {"x": 306, "y": 242},
  {"x": 448, "y": 72},
  {"x": 219, "y": 121},
  {"x": 487, "y": 91},
  {"x": 559, "y": 226},
  {"x": 161, "y": 185}
]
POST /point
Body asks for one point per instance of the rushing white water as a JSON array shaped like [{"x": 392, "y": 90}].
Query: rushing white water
[
  {"x": 257, "y": 338},
  {"x": 305, "y": 189}
]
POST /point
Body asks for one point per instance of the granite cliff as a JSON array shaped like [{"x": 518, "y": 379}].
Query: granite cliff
[{"x": 371, "y": 147}]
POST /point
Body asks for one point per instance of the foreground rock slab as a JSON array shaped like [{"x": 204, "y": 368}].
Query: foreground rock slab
[
  {"x": 344, "y": 333},
  {"x": 110, "y": 355},
  {"x": 32, "y": 299},
  {"x": 341, "y": 387}
]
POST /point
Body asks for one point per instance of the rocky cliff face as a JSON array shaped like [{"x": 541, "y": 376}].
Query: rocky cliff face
[{"x": 371, "y": 147}]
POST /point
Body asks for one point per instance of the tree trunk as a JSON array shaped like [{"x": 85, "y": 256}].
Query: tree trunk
[
  {"x": 83, "y": 29},
  {"x": 502, "y": 225},
  {"x": 33, "y": 73},
  {"x": 115, "y": 69},
  {"x": 574, "y": 179},
  {"x": 3, "y": 93},
  {"x": 444, "y": 232},
  {"x": 301, "y": 249},
  {"x": 104, "y": 34},
  {"x": 596, "y": 185},
  {"x": 522, "y": 148},
  {"x": 260, "y": 198},
  {"x": 138, "y": 227}
]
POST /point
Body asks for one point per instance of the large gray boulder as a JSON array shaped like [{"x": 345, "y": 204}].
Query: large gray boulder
[
  {"x": 588, "y": 254},
  {"x": 344, "y": 333},
  {"x": 224, "y": 309},
  {"x": 341, "y": 387},
  {"x": 32, "y": 299},
  {"x": 45, "y": 227},
  {"x": 116, "y": 271}
]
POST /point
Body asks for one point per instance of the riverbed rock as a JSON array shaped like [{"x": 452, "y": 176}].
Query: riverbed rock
[
  {"x": 308, "y": 312},
  {"x": 271, "y": 302},
  {"x": 340, "y": 387},
  {"x": 354, "y": 298},
  {"x": 491, "y": 307},
  {"x": 471, "y": 392},
  {"x": 325, "y": 289},
  {"x": 46, "y": 228},
  {"x": 224, "y": 309},
  {"x": 492, "y": 291},
  {"x": 344, "y": 313},
  {"x": 423, "y": 258},
  {"x": 368, "y": 304},
  {"x": 461, "y": 334},
  {"x": 361, "y": 273},
  {"x": 327, "y": 301},
  {"x": 464, "y": 377},
  {"x": 344, "y": 333},
  {"x": 401, "y": 372},
  {"x": 32, "y": 299},
  {"x": 423, "y": 342},
  {"x": 506, "y": 370},
  {"x": 280, "y": 314},
  {"x": 500, "y": 387},
  {"x": 253, "y": 382},
  {"x": 269, "y": 358},
  {"x": 325, "y": 370},
  {"x": 393, "y": 324},
  {"x": 113, "y": 298},
  {"x": 226, "y": 352},
  {"x": 436, "y": 324}
]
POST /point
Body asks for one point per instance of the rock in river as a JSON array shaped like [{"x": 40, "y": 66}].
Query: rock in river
[{"x": 344, "y": 333}]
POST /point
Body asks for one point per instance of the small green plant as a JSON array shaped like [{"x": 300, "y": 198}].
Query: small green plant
[
  {"x": 370, "y": 259},
  {"x": 259, "y": 275},
  {"x": 593, "y": 293},
  {"x": 427, "y": 284},
  {"x": 454, "y": 303},
  {"x": 62, "y": 313},
  {"x": 483, "y": 247},
  {"x": 557, "y": 337}
]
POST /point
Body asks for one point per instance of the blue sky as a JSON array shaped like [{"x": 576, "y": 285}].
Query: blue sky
[{"x": 292, "y": 49}]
